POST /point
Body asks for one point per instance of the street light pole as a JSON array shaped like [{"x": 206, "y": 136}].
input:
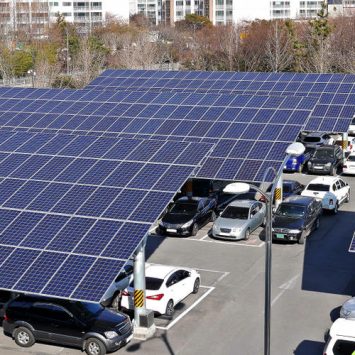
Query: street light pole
[{"x": 294, "y": 149}]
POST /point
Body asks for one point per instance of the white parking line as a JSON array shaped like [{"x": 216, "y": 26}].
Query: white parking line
[
  {"x": 183, "y": 314},
  {"x": 284, "y": 287},
  {"x": 234, "y": 243}
]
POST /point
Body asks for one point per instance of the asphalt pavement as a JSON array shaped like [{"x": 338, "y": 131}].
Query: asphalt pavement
[{"x": 309, "y": 284}]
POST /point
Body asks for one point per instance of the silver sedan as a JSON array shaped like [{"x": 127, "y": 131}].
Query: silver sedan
[{"x": 239, "y": 219}]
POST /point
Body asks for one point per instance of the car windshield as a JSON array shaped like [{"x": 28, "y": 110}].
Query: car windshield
[
  {"x": 234, "y": 212},
  {"x": 311, "y": 139},
  {"x": 318, "y": 187},
  {"x": 351, "y": 158},
  {"x": 184, "y": 207},
  {"x": 324, "y": 154},
  {"x": 151, "y": 283},
  {"x": 86, "y": 310},
  {"x": 289, "y": 210}
]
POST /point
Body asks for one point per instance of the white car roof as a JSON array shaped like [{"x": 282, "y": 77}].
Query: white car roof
[
  {"x": 328, "y": 180},
  {"x": 343, "y": 327},
  {"x": 160, "y": 271}
]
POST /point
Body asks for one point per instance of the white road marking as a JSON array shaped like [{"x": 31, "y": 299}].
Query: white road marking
[
  {"x": 183, "y": 314},
  {"x": 288, "y": 285},
  {"x": 234, "y": 243}
]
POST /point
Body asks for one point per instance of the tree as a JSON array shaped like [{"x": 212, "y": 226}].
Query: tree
[{"x": 278, "y": 54}]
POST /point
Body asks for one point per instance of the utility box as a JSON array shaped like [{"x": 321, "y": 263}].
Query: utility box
[{"x": 146, "y": 319}]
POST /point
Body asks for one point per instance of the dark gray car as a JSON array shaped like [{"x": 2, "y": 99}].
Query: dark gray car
[{"x": 295, "y": 218}]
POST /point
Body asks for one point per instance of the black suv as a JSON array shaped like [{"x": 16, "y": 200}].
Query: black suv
[
  {"x": 88, "y": 326},
  {"x": 296, "y": 218},
  {"x": 326, "y": 160}
]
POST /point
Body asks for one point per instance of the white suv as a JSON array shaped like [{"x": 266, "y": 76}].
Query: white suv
[
  {"x": 332, "y": 191},
  {"x": 341, "y": 338}
]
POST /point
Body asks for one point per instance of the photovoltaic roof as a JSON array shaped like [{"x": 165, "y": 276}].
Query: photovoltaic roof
[
  {"x": 73, "y": 209},
  {"x": 249, "y": 132},
  {"x": 288, "y": 83}
]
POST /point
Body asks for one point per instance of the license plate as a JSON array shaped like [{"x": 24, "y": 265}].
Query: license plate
[
  {"x": 280, "y": 236},
  {"x": 318, "y": 167},
  {"x": 170, "y": 230}
]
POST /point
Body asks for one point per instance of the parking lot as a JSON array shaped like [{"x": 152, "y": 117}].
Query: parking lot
[{"x": 309, "y": 283}]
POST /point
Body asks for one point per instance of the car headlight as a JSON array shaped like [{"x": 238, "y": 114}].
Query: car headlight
[
  {"x": 309, "y": 164},
  {"x": 236, "y": 230},
  {"x": 328, "y": 165},
  {"x": 111, "y": 334},
  {"x": 295, "y": 231},
  {"x": 187, "y": 224},
  {"x": 294, "y": 161}
]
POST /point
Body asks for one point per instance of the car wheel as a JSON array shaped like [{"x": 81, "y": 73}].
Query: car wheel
[
  {"x": 247, "y": 234},
  {"x": 301, "y": 239},
  {"x": 213, "y": 216},
  {"x": 95, "y": 346},
  {"x": 24, "y": 337},
  {"x": 196, "y": 286},
  {"x": 335, "y": 210},
  {"x": 170, "y": 308},
  {"x": 194, "y": 229},
  {"x": 347, "y": 198},
  {"x": 316, "y": 224}
]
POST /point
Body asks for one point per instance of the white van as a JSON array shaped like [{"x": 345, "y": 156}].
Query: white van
[{"x": 341, "y": 339}]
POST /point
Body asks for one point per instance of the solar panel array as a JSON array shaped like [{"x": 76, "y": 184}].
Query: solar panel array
[
  {"x": 336, "y": 92},
  {"x": 303, "y": 84},
  {"x": 250, "y": 132},
  {"x": 73, "y": 209}
]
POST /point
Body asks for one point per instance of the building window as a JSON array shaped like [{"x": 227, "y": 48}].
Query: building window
[
  {"x": 66, "y": 14},
  {"x": 66, "y": 3}
]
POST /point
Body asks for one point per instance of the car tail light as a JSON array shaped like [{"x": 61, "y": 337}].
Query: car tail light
[
  {"x": 6, "y": 317},
  {"x": 125, "y": 293},
  {"x": 331, "y": 202},
  {"x": 157, "y": 297}
]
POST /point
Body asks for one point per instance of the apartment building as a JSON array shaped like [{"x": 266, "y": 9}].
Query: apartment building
[
  {"x": 30, "y": 17},
  {"x": 84, "y": 14}
]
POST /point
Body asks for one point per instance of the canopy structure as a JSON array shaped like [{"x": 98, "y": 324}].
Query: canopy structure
[{"x": 85, "y": 173}]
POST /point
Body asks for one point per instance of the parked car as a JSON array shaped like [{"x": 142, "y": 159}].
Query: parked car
[
  {"x": 332, "y": 191},
  {"x": 296, "y": 163},
  {"x": 351, "y": 143},
  {"x": 347, "y": 310},
  {"x": 239, "y": 219},
  {"x": 326, "y": 160},
  {"x": 112, "y": 297},
  {"x": 296, "y": 218},
  {"x": 187, "y": 215},
  {"x": 88, "y": 326},
  {"x": 166, "y": 286},
  {"x": 5, "y": 298},
  {"x": 224, "y": 199},
  {"x": 351, "y": 129},
  {"x": 349, "y": 165},
  {"x": 341, "y": 340},
  {"x": 315, "y": 139},
  {"x": 289, "y": 188}
]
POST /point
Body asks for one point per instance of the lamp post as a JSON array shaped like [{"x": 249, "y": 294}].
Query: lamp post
[
  {"x": 33, "y": 74},
  {"x": 294, "y": 149}
]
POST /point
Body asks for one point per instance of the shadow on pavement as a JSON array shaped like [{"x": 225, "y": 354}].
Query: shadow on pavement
[
  {"x": 309, "y": 347},
  {"x": 334, "y": 314},
  {"x": 163, "y": 336},
  {"x": 328, "y": 266}
]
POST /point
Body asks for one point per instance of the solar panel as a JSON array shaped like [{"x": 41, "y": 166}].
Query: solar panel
[
  {"x": 332, "y": 89},
  {"x": 73, "y": 209},
  {"x": 176, "y": 117}
]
